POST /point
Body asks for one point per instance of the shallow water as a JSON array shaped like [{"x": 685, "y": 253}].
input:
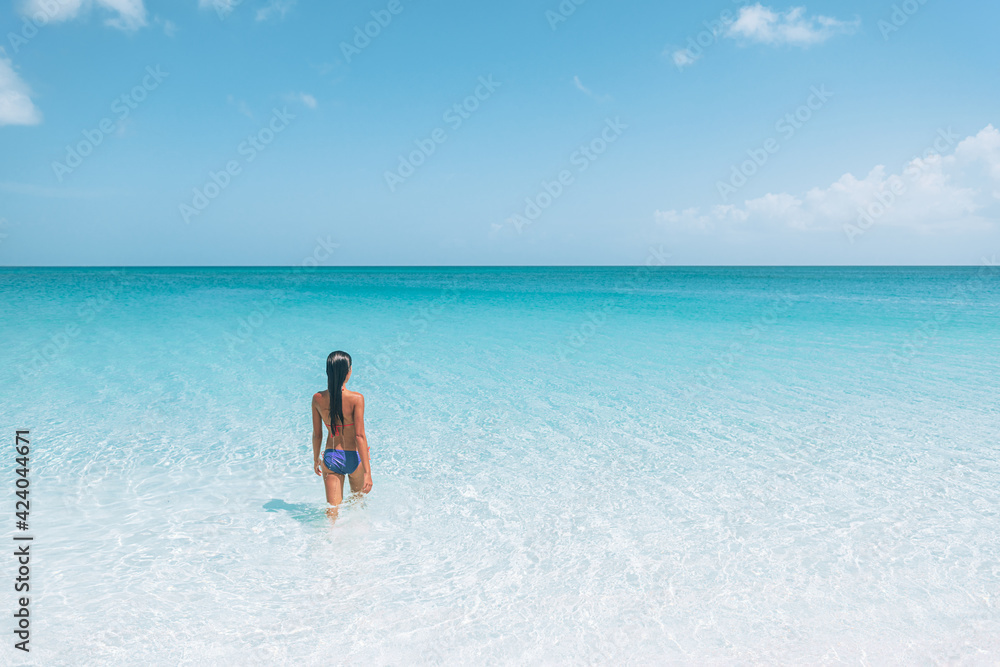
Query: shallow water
[{"x": 571, "y": 466}]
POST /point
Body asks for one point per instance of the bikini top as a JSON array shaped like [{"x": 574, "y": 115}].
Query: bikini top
[{"x": 337, "y": 428}]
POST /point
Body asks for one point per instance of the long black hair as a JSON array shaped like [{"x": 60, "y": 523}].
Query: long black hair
[{"x": 338, "y": 364}]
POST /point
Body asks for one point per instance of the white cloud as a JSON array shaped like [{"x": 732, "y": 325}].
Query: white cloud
[
  {"x": 16, "y": 107},
  {"x": 275, "y": 8},
  {"x": 684, "y": 58},
  {"x": 241, "y": 106},
  {"x": 129, "y": 14},
  {"x": 931, "y": 193},
  {"x": 983, "y": 151},
  {"x": 761, "y": 24},
  {"x": 54, "y": 10},
  {"x": 169, "y": 27},
  {"x": 588, "y": 92},
  {"x": 325, "y": 68},
  {"x": 301, "y": 98}
]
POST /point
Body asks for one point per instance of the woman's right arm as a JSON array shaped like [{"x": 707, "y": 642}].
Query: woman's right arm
[{"x": 317, "y": 436}]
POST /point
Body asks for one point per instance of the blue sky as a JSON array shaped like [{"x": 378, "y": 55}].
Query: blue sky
[{"x": 228, "y": 132}]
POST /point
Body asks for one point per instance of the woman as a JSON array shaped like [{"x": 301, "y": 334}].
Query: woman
[{"x": 343, "y": 412}]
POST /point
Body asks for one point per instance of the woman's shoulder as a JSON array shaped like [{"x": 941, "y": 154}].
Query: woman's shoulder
[
  {"x": 320, "y": 397},
  {"x": 354, "y": 396}
]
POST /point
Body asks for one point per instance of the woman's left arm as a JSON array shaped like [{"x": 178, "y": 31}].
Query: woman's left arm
[{"x": 359, "y": 432}]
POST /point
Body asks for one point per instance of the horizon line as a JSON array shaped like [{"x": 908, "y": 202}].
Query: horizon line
[{"x": 311, "y": 269}]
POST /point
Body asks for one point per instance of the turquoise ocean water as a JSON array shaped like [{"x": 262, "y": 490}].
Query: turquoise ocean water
[{"x": 571, "y": 466}]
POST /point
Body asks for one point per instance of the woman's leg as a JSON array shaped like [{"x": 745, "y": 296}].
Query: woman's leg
[
  {"x": 334, "y": 484},
  {"x": 357, "y": 479}
]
